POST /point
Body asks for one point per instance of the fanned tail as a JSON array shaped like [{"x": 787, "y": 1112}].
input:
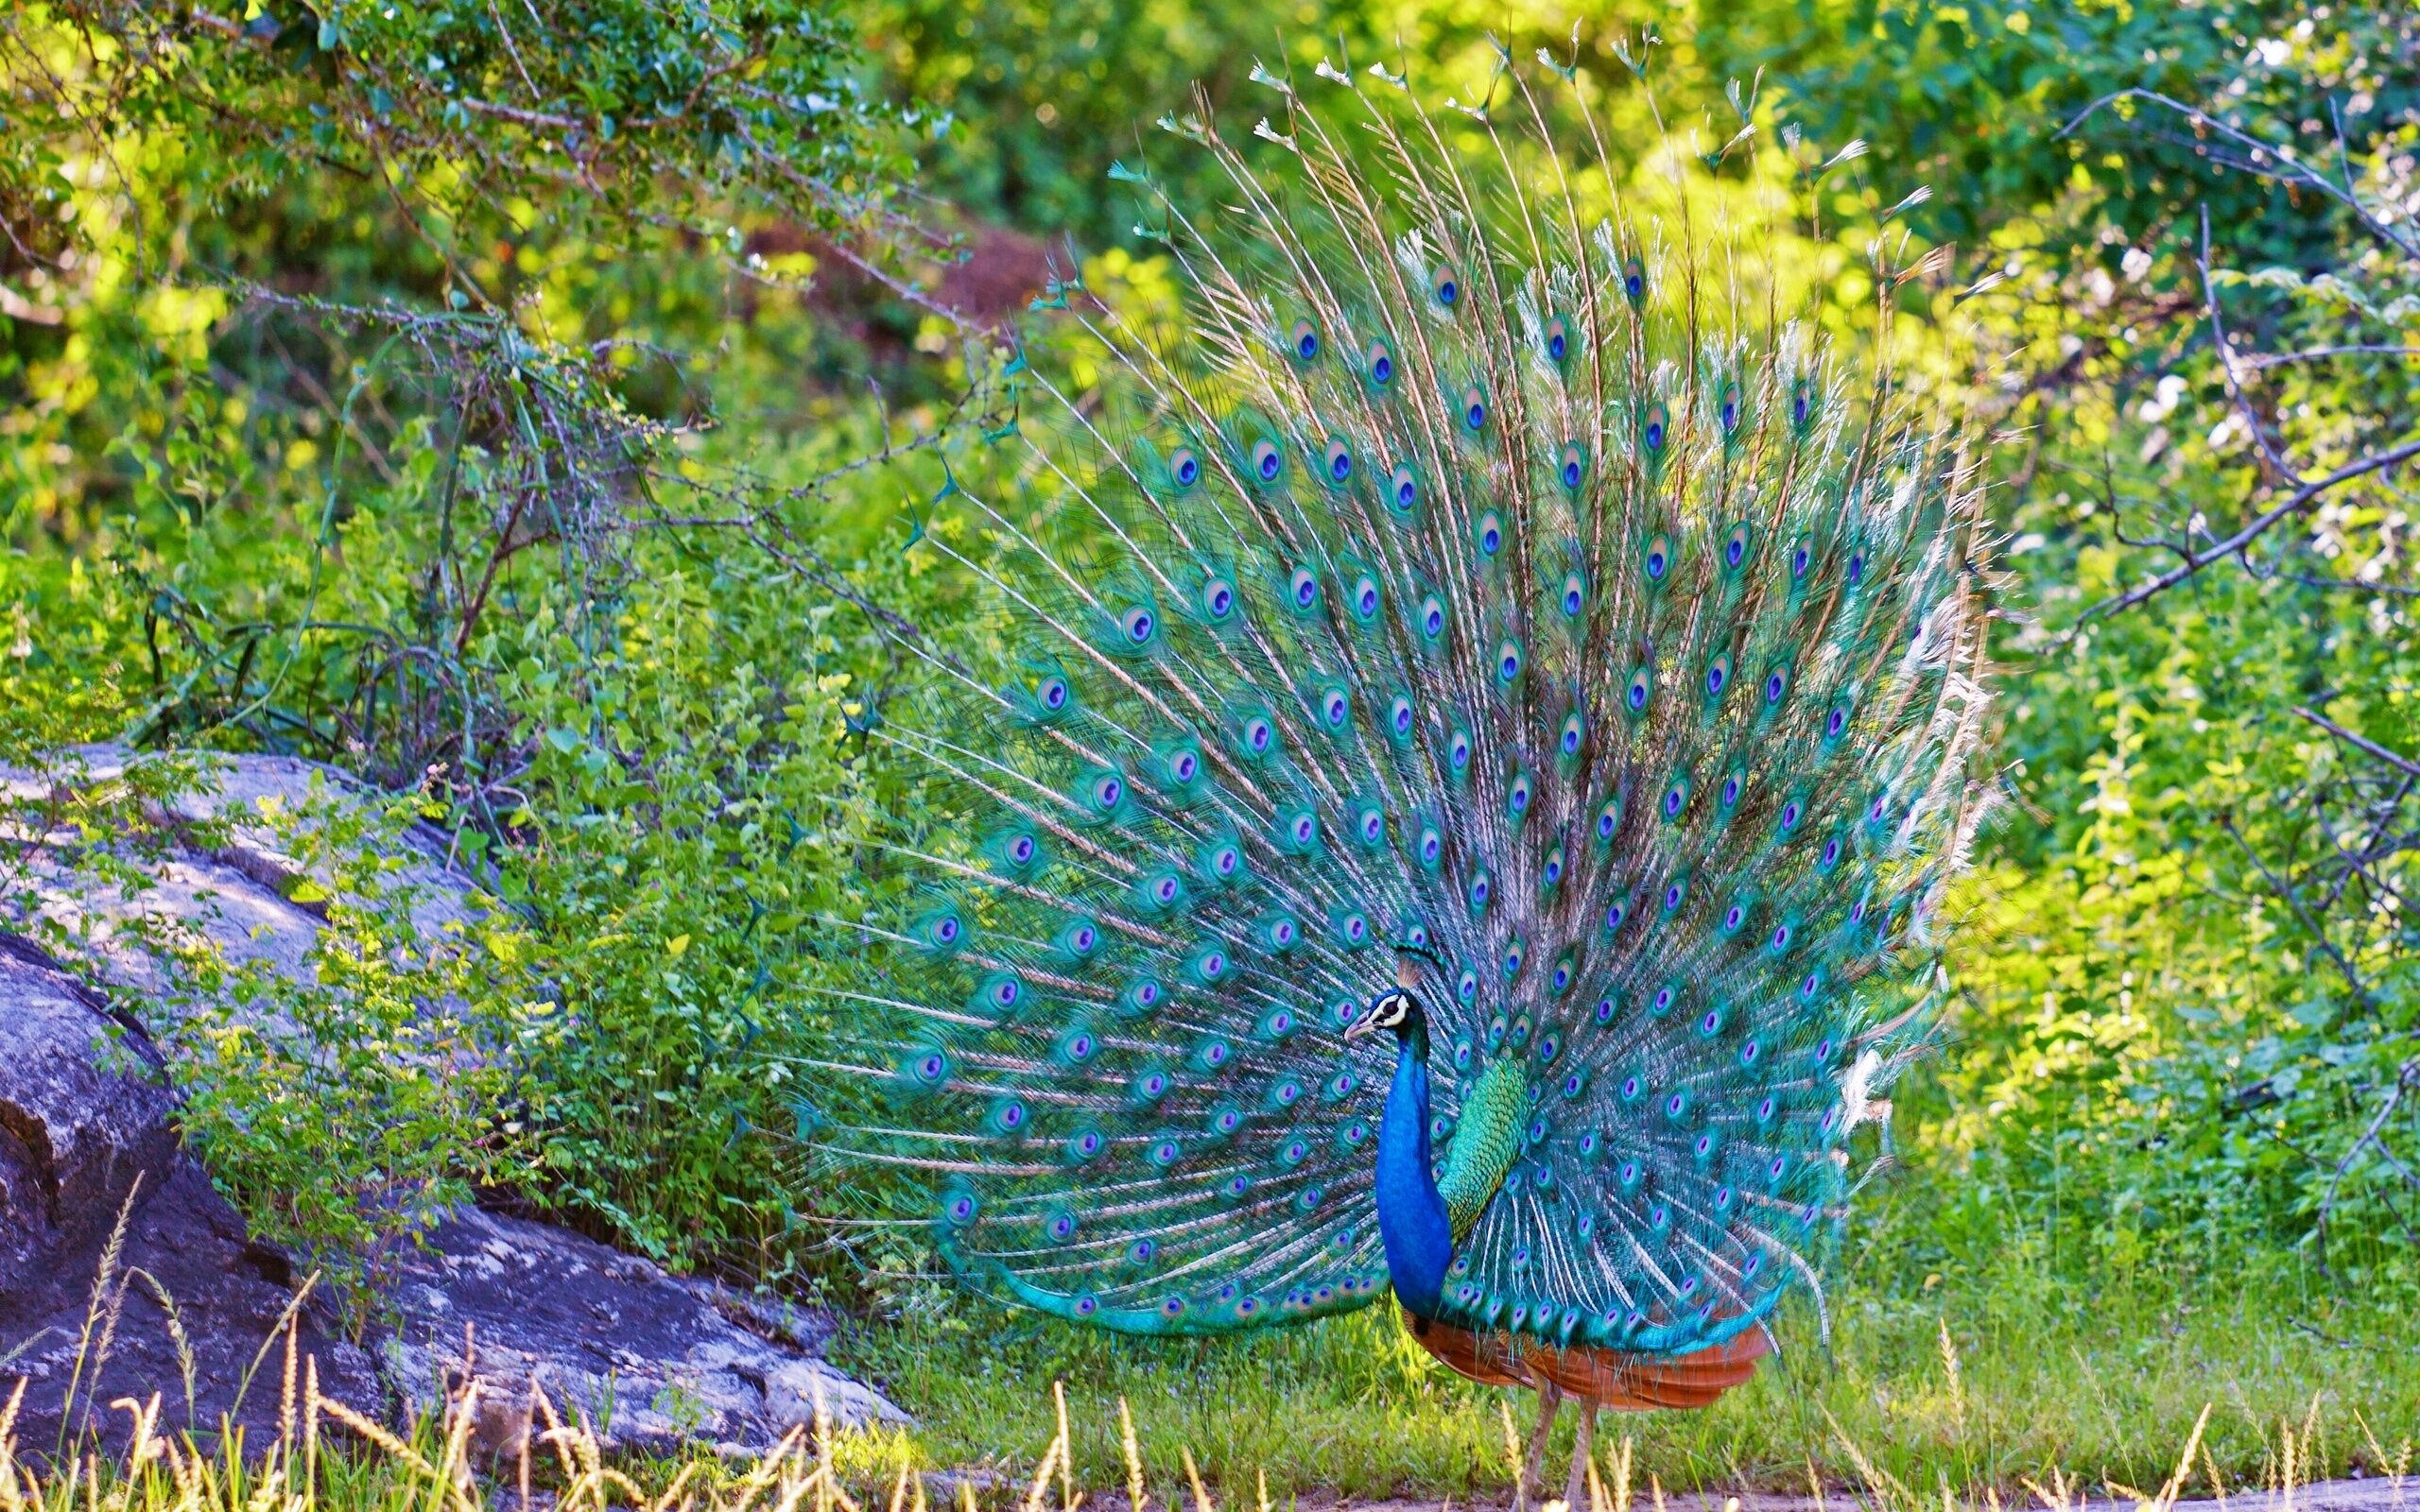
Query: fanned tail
[{"x": 1478, "y": 559}]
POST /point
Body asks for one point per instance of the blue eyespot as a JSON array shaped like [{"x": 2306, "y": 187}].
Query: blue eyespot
[
  {"x": 1558, "y": 339},
  {"x": 1338, "y": 458},
  {"x": 1381, "y": 362}
]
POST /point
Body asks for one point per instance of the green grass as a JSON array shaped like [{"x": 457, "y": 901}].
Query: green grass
[{"x": 2039, "y": 1376}]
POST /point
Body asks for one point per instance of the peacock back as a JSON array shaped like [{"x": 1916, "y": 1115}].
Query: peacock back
[{"x": 1476, "y": 560}]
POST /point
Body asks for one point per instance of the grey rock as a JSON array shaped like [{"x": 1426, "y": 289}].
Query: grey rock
[
  {"x": 87, "y": 1110},
  {"x": 186, "y": 1303},
  {"x": 648, "y": 1362},
  {"x": 83, "y": 1115},
  {"x": 227, "y": 875}
]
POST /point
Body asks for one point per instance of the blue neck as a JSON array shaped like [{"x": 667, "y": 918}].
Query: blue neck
[{"x": 1412, "y": 1216}]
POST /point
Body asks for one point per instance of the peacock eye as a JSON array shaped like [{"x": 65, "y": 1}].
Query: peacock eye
[
  {"x": 1558, "y": 339},
  {"x": 1381, "y": 359},
  {"x": 1219, "y": 598},
  {"x": 1185, "y": 467},
  {"x": 1306, "y": 340},
  {"x": 1574, "y": 464},
  {"x": 1801, "y": 403},
  {"x": 1491, "y": 533},
  {"x": 1659, "y": 559},
  {"x": 1446, "y": 285},
  {"x": 1266, "y": 461},
  {"x": 1365, "y": 597},
  {"x": 1574, "y": 594},
  {"x": 1730, "y": 409},
  {"x": 1633, "y": 279},
  {"x": 1652, "y": 428},
  {"x": 1304, "y": 586},
  {"x": 1138, "y": 623},
  {"x": 1338, "y": 458},
  {"x": 1734, "y": 546},
  {"x": 1475, "y": 408},
  {"x": 1402, "y": 489},
  {"x": 1399, "y": 714},
  {"x": 1433, "y": 617}
]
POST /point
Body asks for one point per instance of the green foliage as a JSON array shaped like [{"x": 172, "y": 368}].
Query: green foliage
[{"x": 391, "y": 1035}]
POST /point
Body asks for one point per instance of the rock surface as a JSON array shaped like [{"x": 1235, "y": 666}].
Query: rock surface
[
  {"x": 646, "y": 1361},
  {"x": 87, "y": 1115},
  {"x": 189, "y": 1300},
  {"x": 83, "y": 1115}
]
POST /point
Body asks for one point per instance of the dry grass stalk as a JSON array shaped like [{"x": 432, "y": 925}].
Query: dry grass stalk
[
  {"x": 1136, "y": 1500},
  {"x": 1949, "y": 1368},
  {"x": 1202, "y": 1502}
]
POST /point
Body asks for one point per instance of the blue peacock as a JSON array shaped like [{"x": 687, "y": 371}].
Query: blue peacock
[{"x": 1487, "y": 719}]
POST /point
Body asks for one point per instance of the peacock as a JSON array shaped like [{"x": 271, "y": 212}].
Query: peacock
[{"x": 1455, "y": 795}]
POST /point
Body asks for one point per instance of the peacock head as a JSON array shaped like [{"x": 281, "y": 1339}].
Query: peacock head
[{"x": 1396, "y": 1009}]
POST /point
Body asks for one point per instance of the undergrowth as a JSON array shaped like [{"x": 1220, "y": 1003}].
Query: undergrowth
[{"x": 1173, "y": 1436}]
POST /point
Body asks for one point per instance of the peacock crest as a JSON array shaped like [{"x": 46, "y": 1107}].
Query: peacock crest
[{"x": 1479, "y": 573}]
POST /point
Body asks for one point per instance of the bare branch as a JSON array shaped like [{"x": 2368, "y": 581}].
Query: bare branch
[
  {"x": 2401, "y": 764},
  {"x": 2300, "y": 499}
]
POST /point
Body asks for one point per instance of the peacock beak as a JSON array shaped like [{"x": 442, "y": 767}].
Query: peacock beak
[{"x": 1360, "y": 1029}]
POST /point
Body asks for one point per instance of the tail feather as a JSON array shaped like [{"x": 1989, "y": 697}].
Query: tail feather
[{"x": 1477, "y": 557}]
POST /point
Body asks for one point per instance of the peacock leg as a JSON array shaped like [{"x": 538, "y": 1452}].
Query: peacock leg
[
  {"x": 1549, "y": 1398},
  {"x": 1579, "y": 1453}
]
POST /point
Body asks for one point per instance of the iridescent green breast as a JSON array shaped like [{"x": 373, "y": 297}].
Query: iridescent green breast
[{"x": 1487, "y": 1139}]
